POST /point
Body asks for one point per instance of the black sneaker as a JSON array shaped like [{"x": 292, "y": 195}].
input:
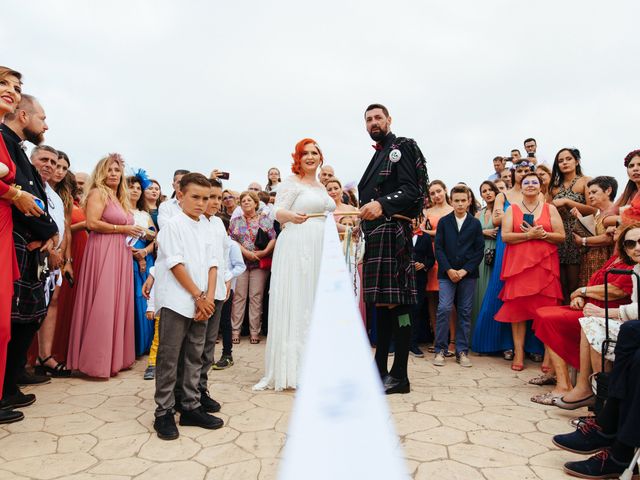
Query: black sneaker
[
  {"x": 588, "y": 438},
  {"x": 165, "y": 427},
  {"x": 10, "y": 416},
  {"x": 208, "y": 403},
  {"x": 17, "y": 400},
  {"x": 225, "y": 362},
  {"x": 416, "y": 352},
  {"x": 199, "y": 418},
  {"x": 27, "y": 379},
  {"x": 601, "y": 465}
]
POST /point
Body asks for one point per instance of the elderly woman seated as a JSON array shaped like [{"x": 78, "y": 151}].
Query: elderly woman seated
[{"x": 560, "y": 327}]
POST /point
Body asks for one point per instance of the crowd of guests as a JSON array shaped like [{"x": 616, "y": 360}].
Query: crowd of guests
[{"x": 88, "y": 259}]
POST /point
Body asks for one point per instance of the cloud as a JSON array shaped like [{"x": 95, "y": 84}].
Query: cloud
[{"x": 201, "y": 84}]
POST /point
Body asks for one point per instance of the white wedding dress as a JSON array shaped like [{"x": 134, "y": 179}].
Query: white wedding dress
[{"x": 294, "y": 275}]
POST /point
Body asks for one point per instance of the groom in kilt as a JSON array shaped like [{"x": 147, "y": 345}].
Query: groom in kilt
[{"x": 392, "y": 193}]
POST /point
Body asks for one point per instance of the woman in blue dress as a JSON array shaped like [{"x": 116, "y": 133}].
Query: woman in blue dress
[
  {"x": 143, "y": 260},
  {"x": 490, "y": 336}
]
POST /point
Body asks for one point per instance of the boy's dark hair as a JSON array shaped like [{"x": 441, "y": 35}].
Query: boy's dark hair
[
  {"x": 195, "y": 179},
  {"x": 373, "y": 106},
  {"x": 460, "y": 189}
]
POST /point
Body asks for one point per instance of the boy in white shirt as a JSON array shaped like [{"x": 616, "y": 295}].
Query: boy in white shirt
[
  {"x": 218, "y": 237},
  {"x": 186, "y": 275}
]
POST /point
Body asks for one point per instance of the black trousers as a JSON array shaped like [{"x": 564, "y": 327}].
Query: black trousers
[
  {"x": 21, "y": 337},
  {"x": 624, "y": 382},
  {"x": 225, "y": 326}
]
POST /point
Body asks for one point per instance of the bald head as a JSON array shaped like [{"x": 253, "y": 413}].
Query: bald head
[
  {"x": 29, "y": 120},
  {"x": 326, "y": 172}
]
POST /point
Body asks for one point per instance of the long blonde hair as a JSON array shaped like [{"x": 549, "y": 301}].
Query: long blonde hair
[{"x": 99, "y": 177}]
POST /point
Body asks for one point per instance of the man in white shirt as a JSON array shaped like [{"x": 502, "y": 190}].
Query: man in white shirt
[
  {"x": 186, "y": 276},
  {"x": 171, "y": 207}
]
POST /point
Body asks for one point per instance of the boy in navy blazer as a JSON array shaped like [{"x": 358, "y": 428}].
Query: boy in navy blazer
[{"x": 459, "y": 248}]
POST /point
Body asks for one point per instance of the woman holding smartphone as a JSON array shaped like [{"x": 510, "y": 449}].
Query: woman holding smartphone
[{"x": 532, "y": 230}]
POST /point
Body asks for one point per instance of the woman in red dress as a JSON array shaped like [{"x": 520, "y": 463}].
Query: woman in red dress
[
  {"x": 530, "y": 269},
  {"x": 67, "y": 295},
  {"x": 10, "y": 95}
]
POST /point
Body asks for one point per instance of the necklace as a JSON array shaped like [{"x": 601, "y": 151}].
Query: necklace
[{"x": 527, "y": 208}]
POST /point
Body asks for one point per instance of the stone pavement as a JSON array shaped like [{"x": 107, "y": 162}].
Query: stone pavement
[{"x": 475, "y": 423}]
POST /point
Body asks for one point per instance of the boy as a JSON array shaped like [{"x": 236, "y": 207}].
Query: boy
[
  {"x": 186, "y": 275},
  {"x": 459, "y": 247},
  {"x": 218, "y": 237}
]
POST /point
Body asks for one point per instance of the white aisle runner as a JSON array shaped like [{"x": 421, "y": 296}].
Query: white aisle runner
[{"x": 340, "y": 426}]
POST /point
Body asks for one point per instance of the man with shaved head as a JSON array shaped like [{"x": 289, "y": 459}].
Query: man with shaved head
[{"x": 325, "y": 173}]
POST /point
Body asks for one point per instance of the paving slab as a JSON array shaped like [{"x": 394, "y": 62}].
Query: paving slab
[{"x": 456, "y": 423}]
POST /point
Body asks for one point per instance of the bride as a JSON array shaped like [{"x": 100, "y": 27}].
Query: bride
[{"x": 296, "y": 265}]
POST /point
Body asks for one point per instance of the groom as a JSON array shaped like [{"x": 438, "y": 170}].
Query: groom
[{"x": 392, "y": 193}]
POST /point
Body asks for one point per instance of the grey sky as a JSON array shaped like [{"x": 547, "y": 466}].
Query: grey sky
[{"x": 234, "y": 85}]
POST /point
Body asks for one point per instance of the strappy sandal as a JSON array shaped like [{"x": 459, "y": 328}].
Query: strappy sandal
[
  {"x": 508, "y": 355},
  {"x": 254, "y": 340},
  {"x": 544, "y": 379},
  {"x": 59, "y": 371},
  {"x": 235, "y": 340}
]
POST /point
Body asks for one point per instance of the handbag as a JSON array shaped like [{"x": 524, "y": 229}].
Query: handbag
[
  {"x": 489, "y": 256},
  {"x": 262, "y": 239},
  {"x": 265, "y": 263}
]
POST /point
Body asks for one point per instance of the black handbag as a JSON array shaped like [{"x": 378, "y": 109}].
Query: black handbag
[
  {"x": 262, "y": 239},
  {"x": 489, "y": 256},
  {"x": 602, "y": 378}
]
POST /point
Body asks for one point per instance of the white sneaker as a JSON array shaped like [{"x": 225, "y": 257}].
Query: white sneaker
[
  {"x": 463, "y": 360},
  {"x": 438, "y": 359}
]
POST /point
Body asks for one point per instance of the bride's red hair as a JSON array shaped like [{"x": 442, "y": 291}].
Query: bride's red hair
[{"x": 296, "y": 166}]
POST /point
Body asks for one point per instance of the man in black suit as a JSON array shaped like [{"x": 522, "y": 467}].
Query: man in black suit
[
  {"x": 459, "y": 247},
  {"x": 391, "y": 193}
]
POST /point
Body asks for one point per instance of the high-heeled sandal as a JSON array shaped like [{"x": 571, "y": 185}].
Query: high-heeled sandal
[
  {"x": 59, "y": 371},
  {"x": 235, "y": 339},
  {"x": 517, "y": 367},
  {"x": 545, "y": 368},
  {"x": 254, "y": 340}
]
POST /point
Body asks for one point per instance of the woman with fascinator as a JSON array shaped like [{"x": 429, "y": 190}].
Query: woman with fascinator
[
  {"x": 296, "y": 266},
  {"x": 142, "y": 248},
  {"x": 102, "y": 327}
]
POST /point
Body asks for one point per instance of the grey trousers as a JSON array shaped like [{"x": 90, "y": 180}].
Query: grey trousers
[
  {"x": 211, "y": 334},
  {"x": 213, "y": 327},
  {"x": 175, "y": 334}
]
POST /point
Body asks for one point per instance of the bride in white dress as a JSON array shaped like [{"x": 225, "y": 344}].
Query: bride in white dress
[{"x": 295, "y": 267}]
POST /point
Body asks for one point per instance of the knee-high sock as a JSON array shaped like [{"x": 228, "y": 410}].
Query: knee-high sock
[
  {"x": 384, "y": 331},
  {"x": 400, "y": 319}
]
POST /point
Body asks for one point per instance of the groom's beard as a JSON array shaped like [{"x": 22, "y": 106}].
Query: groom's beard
[{"x": 378, "y": 135}]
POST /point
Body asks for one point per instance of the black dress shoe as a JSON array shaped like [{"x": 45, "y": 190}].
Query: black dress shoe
[
  {"x": 17, "y": 400},
  {"x": 199, "y": 418},
  {"x": 208, "y": 403},
  {"x": 395, "y": 385},
  {"x": 26, "y": 379},
  {"x": 165, "y": 427},
  {"x": 10, "y": 416}
]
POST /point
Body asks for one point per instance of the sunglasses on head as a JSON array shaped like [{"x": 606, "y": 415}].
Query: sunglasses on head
[{"x": 629, "y": 244}]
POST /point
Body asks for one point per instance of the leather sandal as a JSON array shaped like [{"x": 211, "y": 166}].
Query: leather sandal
[
  {"x": 59, "y": 371},
  {"x": 235, "y": 339},
  {"x": 254, "y": 340}
]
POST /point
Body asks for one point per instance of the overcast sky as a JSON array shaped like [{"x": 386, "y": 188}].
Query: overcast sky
[{"x": 234, "y": 85}]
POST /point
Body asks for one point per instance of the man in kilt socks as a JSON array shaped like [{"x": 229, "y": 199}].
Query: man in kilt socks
[{"x": 392, "y": 193}]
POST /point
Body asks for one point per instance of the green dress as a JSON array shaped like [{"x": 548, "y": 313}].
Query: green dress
[{"x": 484, "y": 270}]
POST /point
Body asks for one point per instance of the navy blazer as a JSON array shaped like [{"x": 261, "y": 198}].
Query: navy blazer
[{"x": 456, "y": 250}]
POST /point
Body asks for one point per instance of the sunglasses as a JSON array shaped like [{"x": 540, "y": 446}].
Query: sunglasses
[
  {"x": 629, "y": 244},
  {"x": 227, "y": 198}
]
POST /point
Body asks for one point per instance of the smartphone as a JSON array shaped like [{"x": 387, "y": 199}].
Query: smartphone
[
  {"x": 69, "y": 278},
  {"x": 223, "y": 175},
  {"x": 528, "y": 218}
]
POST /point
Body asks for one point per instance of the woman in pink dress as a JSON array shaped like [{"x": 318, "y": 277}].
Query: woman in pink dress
[{"x": 101, "y": 342}]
